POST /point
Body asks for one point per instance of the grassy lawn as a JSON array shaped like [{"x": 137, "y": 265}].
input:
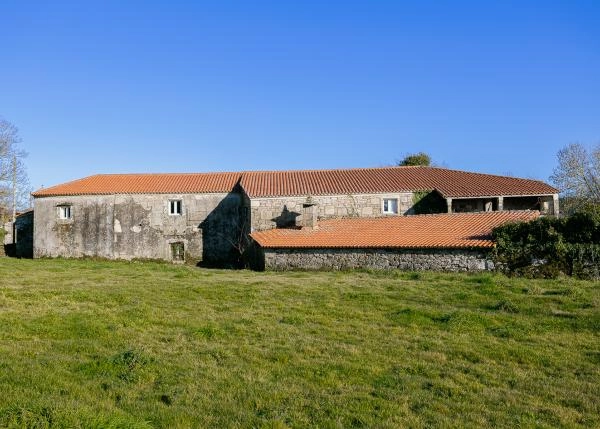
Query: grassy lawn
[{"x": 116, "y": 344}]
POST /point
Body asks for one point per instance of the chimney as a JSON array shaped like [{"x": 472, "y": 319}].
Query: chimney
[{"x": 310, "y": 211}]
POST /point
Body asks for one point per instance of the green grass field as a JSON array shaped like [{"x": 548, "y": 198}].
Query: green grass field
[{"x": 139, "y": 345}]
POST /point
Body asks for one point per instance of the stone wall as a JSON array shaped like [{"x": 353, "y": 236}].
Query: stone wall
[
  {"x": 381, "y": 259},
  {"x": 23, "y": 236},
  {"x": 280, "y": 212},
  {"x": 7, "y": 229},
  {"x": 139, "y": 226}
]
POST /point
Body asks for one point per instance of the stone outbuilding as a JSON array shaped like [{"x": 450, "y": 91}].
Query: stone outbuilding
[
  {"x": 442, "y": 242},
  {"x": 208, "y": 216},
  {"x": 18, "y": 238}
]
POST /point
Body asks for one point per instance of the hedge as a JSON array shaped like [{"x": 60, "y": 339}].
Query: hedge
[{"x": 548, "y": 246}]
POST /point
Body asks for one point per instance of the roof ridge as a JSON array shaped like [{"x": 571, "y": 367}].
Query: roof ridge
[
  {"x": 478, "y": 213},
  {"x": 390, "y": 167},
  {"x": 487, "y": 174},
  {"x": 312, "y": 170},
  {"x": 163, "y": 174},
  {"x": 398, "y": 167},
  {"x": 258, "y": 183}
]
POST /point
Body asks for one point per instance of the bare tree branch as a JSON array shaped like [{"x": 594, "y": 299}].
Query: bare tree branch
[
  {"x": 578, "y": 173},
  {"x": 14, "y": 183}
]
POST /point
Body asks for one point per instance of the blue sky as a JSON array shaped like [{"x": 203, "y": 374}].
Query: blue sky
[{"x": 142, "y": 86}]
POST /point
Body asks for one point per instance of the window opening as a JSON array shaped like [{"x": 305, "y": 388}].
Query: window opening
[
  {"x": 175, "y": 207},
  {"x": 64, "y": 212},
  {"x": 390, "y": 205},
  {"x": 177, "y": 251}
]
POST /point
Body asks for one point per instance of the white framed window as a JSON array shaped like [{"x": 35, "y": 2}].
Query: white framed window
[
  {"x": 65, "y": 212},
  {"x": 390, "y": 206},
  {"x": 175, "y": 207}
]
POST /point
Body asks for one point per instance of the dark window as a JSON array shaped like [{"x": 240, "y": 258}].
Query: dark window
[{"x": 175, "y": 207}]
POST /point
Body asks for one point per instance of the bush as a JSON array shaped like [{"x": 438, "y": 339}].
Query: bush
[{"x": 547, "y": 247}]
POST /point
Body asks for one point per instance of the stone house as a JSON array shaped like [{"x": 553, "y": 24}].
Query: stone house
[
  {"x": 209, "y": 216},
  {"x": 149, "y": 216},
  {"x": 440, "y": 242}
]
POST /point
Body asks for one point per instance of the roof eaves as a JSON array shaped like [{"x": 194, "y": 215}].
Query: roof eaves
[{"x": 375, "y": 246}]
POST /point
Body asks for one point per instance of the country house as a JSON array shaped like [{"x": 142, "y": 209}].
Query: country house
[{"x": 217, "y": 217}]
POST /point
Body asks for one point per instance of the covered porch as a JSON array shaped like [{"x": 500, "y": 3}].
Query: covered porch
[{"x": 545, "y": 204}]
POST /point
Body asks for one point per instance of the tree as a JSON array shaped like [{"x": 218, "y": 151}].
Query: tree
[
  {"x": 578, "y": 176},
  {"x": 420, "y": 158},
  {"x": 14, "y": 183}
]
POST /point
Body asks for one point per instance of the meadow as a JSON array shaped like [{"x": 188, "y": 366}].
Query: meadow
[{"x": 99, "y": 344}]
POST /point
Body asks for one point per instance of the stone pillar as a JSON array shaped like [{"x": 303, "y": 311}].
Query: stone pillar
[
  {"x": 555, "y": 204},
  {"x": 500, "y": 204},
  {"x": 449, "y": 204}
]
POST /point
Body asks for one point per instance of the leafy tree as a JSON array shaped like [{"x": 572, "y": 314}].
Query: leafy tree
[
  {"x": 14, "y": 183},
  {"x": 578, "y": 176},
  {"x": 420, "y": 158}
]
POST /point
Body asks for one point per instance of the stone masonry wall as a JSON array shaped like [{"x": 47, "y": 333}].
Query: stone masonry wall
[
  {"x": 23, "y": 241},
  {"x": 381, "y": 259},
  {"x": 138, "y": 226},
  {"x": 268, "y": 213}
]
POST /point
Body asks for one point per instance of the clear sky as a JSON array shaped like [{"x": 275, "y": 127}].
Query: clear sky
[{"x": 146, "y": 86}]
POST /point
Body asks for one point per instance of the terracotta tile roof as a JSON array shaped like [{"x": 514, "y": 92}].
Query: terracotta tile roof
[
  {"x": 449, "y": 183},
  {"x": 106, "y": 184},
  {"x": 459, "y": 230}
]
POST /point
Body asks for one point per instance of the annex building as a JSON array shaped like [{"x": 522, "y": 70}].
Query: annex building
[{"x": 280, "y": 219}]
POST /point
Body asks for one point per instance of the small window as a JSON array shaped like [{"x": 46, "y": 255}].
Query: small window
[
  {"x": 64, "y": 212},
  {"x": 390, "y": 205},
  {"x": 177, "y": 251},
  {"x": 175, "y": 207}
]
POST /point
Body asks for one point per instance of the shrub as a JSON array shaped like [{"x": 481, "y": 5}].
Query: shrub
[{"x": 548, "y": 246}]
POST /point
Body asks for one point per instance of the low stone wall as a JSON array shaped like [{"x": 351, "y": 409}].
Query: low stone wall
[{"x": 381, "y": 259}]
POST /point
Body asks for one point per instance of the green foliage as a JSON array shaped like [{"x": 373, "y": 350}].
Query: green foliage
[
  {"x": 99, "y": 344},
  {"x": 420, "y": 158},
  {"x": 548, "y": 246}
]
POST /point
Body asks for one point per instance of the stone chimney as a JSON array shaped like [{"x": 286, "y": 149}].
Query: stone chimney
[{"x": 310, "y": 212}]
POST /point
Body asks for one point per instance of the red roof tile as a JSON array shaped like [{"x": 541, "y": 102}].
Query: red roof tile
[
  {"x": 106, "y": 184},
  {"x": 449, "y": 183},
  {"x": 459, "y": 230}
]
